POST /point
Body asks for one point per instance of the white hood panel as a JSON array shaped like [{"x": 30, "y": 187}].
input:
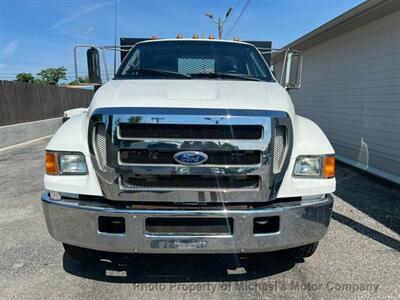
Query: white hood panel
[{"x": 223, "y": 94}]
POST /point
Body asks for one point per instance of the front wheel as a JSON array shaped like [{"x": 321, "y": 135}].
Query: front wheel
[
  {"x": 302, "y": 252},
  {"x": 80, "y": 254}
]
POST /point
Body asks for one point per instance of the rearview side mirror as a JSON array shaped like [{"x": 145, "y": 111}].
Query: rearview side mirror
[
  {"x": 292, "y": 68},
  {"x": 93, "y": 61}
]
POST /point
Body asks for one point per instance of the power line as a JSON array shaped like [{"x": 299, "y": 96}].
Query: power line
[
  {"x": 67, "y": 74},
  {"x": 115, "y": 35},
  {"x": 238, "y": 18},
  {"x": 235, "y": 7}
]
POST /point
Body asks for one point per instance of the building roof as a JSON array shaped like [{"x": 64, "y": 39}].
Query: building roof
[{"x": 362, "y": 14}]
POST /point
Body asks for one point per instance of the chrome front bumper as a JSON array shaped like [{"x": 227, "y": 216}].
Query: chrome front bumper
[{"x": 75, "y": 222}]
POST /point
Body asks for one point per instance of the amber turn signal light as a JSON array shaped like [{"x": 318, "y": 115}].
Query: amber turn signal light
[
  {"x": 51, "y": 163},
  {"x": 329, "y": 167}
]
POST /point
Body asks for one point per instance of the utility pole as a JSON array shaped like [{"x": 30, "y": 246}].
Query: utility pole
[
  {"x": 220, "y": 22},
  {"x": 220, "y": 28}
]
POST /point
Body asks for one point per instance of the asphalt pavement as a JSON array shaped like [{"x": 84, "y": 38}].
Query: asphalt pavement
[{"x": 358, "y": 258}]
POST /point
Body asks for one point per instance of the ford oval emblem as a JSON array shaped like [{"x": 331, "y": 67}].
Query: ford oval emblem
[{"x": 190, "y": 158}]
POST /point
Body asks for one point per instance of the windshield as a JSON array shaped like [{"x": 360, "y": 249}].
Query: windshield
[{"x": 194, "y": 60}]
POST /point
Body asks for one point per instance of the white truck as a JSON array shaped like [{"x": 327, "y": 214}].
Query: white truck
[{"x": 192, "y": 147}]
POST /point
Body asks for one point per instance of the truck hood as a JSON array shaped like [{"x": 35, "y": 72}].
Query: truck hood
[{"x": 223, "y": 94}]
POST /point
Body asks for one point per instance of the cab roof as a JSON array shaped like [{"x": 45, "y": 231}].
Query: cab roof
[{"x": 194, "y": 40}]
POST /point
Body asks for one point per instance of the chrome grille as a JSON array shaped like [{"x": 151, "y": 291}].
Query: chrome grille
[
  {"x": 166, "y": 157},
  {"x": 136, "y": 146},
  {"x": 280, "y": 146},
  {"x": 192, "y": 132}
]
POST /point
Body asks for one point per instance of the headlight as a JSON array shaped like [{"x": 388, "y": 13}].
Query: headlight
[
  {"x": 315, "y": 166},
  {"x": 308, "y": 166},
  {"x": 72, "y": 164},
  {"x": 65, "y": 163}
]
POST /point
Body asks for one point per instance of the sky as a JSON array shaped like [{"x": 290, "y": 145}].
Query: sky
[{"x": 37, "y": 34}]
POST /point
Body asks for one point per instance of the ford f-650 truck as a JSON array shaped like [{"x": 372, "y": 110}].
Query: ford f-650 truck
[{"x": 192, "y": 147}]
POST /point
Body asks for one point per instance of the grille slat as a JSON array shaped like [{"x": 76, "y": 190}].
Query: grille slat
[
  {"x": 194, "y": 132},
  {"x": 194, "y": 182},
  {"x": 167, "y": 157}
]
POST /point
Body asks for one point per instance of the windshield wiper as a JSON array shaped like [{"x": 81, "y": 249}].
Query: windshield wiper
[
  {"x": 224, "y": 75},
  {"x": 160, "y": 72}
]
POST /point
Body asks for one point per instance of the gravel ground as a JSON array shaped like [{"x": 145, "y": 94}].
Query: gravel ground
[{"x": 358, "y": 258}]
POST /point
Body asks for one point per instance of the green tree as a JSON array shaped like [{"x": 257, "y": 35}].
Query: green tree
[
  {"x": 53, "y": 75},
  {"x": 38, "y": 81},
  {"x": 84, "y": 79},
  {"x": 135, "y": 119},
  {"x": 25, "y": 77}
]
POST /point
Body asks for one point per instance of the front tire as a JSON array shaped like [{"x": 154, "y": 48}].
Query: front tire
[
  {"x": 80, "y": 254},
  {"x": 299, "y": 253}
]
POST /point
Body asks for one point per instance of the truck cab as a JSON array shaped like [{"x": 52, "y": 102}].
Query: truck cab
[{"x": 192, "y": 147}]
